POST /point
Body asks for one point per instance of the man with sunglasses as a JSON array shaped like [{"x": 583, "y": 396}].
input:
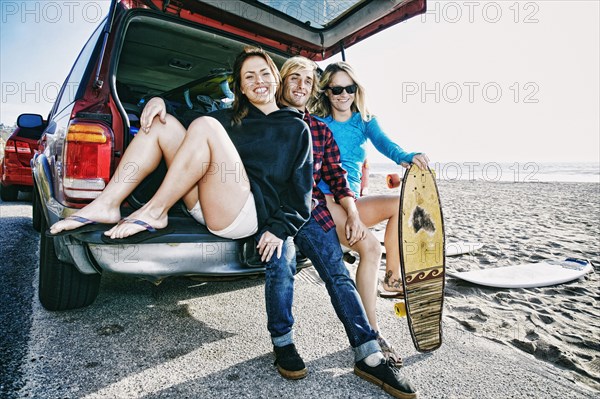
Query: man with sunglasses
[{"x": 317, "y": 239}]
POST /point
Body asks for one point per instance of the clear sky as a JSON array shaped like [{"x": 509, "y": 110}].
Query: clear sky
[{"x": 469, "y": 80}]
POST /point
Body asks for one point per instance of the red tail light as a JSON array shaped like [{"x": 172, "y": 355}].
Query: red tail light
[
  {"x": 87, "y": 159},
  {"x": 10, "y": 146}
]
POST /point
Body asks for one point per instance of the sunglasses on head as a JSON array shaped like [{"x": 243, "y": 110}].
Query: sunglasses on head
[{"x": 337, "y": 90}]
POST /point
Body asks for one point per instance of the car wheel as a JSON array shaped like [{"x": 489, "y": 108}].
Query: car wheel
[
  {"x": 9, "y": 193},
  {"x": 61, "y": 285},
  {"x": 36, "y": 211}
]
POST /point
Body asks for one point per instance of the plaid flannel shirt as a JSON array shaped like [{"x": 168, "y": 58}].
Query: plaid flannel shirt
[{"x": 327, "y": 166}]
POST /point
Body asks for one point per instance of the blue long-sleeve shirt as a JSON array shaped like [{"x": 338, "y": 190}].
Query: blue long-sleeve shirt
[{"x": 351, "y": 137}]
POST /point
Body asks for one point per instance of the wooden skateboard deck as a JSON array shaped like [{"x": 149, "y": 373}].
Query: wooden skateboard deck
[{"x": 422, "y": 257}]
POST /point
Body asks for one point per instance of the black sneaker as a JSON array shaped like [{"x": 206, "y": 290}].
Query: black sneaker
[
  {"x": 387, "y": 377},
  {"x": 289, "y": 363}
]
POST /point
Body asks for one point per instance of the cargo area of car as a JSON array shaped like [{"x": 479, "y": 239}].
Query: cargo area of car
[
  {"x": 162, "y": 56},
  {"x": 188, "y": 66}
]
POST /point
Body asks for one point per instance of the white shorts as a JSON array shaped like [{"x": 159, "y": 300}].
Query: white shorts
[{"x": 244, "y": 225}]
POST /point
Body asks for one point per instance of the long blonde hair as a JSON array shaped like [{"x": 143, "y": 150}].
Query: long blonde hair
[
  {"x": 320, "y": 104},
  {"x": 241, "y": 104}
]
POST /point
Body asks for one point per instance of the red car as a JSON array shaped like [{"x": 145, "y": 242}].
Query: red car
[
  {"x": 182, "y": 51},
  {"x": 15, "y": 169}
]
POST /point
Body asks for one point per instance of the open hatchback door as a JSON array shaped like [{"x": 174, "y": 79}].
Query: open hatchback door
[{"x": 316, "y": 29}]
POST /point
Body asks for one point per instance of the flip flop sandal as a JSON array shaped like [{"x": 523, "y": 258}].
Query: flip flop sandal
[
  {"x": 87, "y": 226},
  {"x": 147, "y": 234},
  {"x": 383, "y": 293}
]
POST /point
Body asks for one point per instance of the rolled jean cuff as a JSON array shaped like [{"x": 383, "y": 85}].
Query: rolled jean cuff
[
  {"x": 366, "y": 349},
  {"x": 284, "y": 339}
]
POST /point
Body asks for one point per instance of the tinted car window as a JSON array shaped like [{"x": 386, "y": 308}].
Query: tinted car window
[{"x": 30, "y": 133}]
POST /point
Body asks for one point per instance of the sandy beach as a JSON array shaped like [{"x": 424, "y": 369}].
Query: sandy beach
[{"x": 524, "y": 222}]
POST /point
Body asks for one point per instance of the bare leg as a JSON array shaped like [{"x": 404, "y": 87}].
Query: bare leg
[
  {"x": 206, "y": 167},
  {"x": 369, "y": 250},
  {"x": 374, "y": 210},
  {"x": 141, "y": 158}
]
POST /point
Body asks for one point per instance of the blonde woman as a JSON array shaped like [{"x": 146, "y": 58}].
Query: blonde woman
[{"x": 341, "y": 104}]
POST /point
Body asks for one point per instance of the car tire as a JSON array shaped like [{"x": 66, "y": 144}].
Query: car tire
[
  {"x": 36, "y": 212},
  {"x": 8, "y": 193},
  {"x": 61, "y": 285}
]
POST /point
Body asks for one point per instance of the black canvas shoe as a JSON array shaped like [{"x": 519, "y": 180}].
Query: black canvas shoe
[
  {"x": 289, "y": 363},
  {"x": 388, "y": 377}
]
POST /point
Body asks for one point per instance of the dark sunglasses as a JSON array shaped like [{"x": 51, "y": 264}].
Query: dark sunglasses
[{"x": 337, "y": 90}]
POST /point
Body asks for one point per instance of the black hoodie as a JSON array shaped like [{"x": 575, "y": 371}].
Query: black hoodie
[{"x": 276, "y": 150}]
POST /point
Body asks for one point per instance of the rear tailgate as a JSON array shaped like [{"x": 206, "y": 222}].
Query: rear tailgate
[{"x": 314, "y": 29}]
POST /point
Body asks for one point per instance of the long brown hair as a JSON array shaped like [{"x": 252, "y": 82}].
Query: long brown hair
[
  {"x": 321, "y": 106},
  {"x": 241, "y": 104}
]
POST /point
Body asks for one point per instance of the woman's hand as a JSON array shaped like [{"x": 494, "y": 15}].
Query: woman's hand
[
  {"x": 421, "y": 160},
  {"x": 267, "y": 245},
  {"x": 355, "y": 228},
  {"x": 155, "y": 107}
]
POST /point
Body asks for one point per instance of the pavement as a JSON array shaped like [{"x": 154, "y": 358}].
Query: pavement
[
  {"x": 189, "y": 339},
  {"x": 19, "y": 241},
  {"x": 194, "y": 339}
]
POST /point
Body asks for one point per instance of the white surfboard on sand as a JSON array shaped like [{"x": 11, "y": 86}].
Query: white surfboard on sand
[
  {"x": 452, "y": 248},
  {"x": 528, "y": 275}
]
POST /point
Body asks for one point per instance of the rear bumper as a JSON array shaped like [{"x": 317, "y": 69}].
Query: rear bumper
[
  {"x": 16, "y": 175},
  {"x": 190, "y": 251},
  {"x": 156, "y": 261}
]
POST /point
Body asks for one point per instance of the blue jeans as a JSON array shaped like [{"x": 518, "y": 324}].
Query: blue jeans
[
  {"x": 324, "y": 251},
  {"x": 279, "y": 293}
]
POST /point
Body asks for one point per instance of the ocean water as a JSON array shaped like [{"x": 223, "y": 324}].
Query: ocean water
[{"x": 516, "y": 172}]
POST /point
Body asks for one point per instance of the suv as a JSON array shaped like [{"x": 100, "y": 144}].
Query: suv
[
  {"x": 182, "y": 51},
  {"x": 15, "y": 169}
]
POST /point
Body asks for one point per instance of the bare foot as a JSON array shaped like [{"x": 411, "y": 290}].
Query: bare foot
[
  {"x": 390, "y": 292},
  {"x": 394, "y": 288},
  {"x": 94, "y": 212},
  {"x": 392, "y": 284},
  {"x": 124, "y": 229}
]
